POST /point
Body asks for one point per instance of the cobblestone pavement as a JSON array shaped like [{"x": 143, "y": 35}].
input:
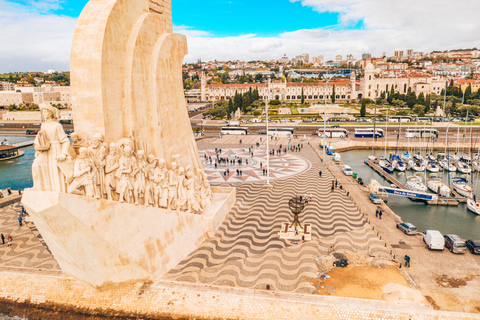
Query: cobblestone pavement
[
  {"x": 247, "y": 252},
  {"x": 253, "y": 163},
  {"x": 27, "y": 250}
]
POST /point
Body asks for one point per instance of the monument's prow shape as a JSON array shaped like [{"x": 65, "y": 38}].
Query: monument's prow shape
[
  {"x": 130, "y": 200},
  {"x": 126, "y": 76}
]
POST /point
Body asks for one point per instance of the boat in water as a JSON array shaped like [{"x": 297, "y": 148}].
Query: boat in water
[
  {"x": 417, "y": 166},
  {"x": 405, "y": 157},
  {"x": 438, "y": 186},
  {"x": 414, "y": 183},
  {"x": 432, "y": 166},
  {"x": 473, "y": 205},
  {"x": 430, "y": 157},
  {"x": 461, "y": 186},
  {"x": 454, "y": 158},
  {"x": 398, "y": 164},
  {"x": 337, "y": 157},
  {"x": 386, "y": 165},
  {"x": 448, "y": 166},
  {"x": 463, "y": 167}
]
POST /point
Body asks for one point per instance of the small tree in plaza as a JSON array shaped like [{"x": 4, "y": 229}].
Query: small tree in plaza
[
  {"x": 302, "y": 101},
  {"x": 333, "y": 94},
  {"x": 363, "y": 109}
]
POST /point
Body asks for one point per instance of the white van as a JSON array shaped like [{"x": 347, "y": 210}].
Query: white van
[
  {"x": 347, "y": 170},
  {"x": 434, "y": 240}
]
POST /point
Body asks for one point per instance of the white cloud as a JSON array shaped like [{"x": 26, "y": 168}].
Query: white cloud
[
  {"x": 40, "y": 40},
  {"x": 424, "y": 25},
  {"x": 32, "y": 41}
]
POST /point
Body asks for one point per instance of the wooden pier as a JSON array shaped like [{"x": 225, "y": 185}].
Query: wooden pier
[{"x": 442, "y": 201}]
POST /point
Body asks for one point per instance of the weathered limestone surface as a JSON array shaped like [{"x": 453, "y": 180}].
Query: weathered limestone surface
[
  {"x": 102, "y": 241},
  {"x": 126, "y": 77},
  {"x": 177, "y": 301}
]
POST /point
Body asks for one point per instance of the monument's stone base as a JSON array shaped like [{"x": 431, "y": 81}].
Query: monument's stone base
[
  {"x": 106, "y": 242},
  {"x": 288, "y": 232}
]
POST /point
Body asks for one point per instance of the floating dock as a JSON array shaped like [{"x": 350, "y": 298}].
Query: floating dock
[{"x": 443, "y": 201}]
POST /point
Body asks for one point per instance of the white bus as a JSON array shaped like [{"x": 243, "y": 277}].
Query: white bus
[
  {"x": 279, "y": 131},
  {"x": 234, "y": 130},
  {"x": 399, "y": 119},
  {"x": 368, "y": 133},
  {"x": 334, "y": 133},
  {"x": 420, "y": 133}
]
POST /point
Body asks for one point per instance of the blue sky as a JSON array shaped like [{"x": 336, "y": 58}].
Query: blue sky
[{"x": 37, "y": 34}]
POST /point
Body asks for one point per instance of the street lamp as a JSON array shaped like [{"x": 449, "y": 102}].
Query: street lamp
[
  {"x": 326, "y": 78},
  {"x": 266, "y": 121}
]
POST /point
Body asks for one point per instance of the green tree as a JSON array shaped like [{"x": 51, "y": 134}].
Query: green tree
[
  {"x": 245, "y": 102},
  {"x": 302, "y": 101},
  {"x": 333, "y": 94},
  {"x": 468, "y": 93},
  {"x": 411, "y": 98},
  {"x": 391, "y": 96},
  {"x": 363, "y": 109},
  {"x": 419, "y": 109},
  {"x": 421, "y": 99}
]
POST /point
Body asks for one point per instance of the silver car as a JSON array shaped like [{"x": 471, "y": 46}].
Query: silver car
[{"x": 407, "y": 228}]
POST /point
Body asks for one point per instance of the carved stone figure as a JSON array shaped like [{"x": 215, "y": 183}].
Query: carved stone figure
[
  {"x": 126, "y": 169},
  {"x": 140, "y": 176},
  {"x": 189, "y": 183},
  {"x": 78, "y": 142},
  {"x": 111, "y": 166},
  {"x": 52, "y": 147},
  {"x": 161, "y": 185},
  {"x": 84, "y": 172},
  {"x": 198, "y": 184},
  {"x": 150, "y": 181},
  {"x": 206, "y": 195},
  {"x": 98, "y": 153},
  {"x": 181, "y": 192},
  {"x": 172, "y": 187}
]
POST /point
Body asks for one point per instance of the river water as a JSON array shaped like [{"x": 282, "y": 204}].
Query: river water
[
  {"x": 17, "y": 173},
  {"x": 446, "y": 219}
]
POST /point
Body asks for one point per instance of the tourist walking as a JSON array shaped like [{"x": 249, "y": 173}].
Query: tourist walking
[
  {"x": 336, "y": 183},
  {"x": 320, "y": 173},
  {"x": 407, "y": 261},
  {"x": 306, "y": 198},
  {"x": 376, "y": 212},
  {"x": 20, "y": 220},
  {"x": 9, "y": 240},
  {"x": 380, "y": 214},
  {"x": 3, "y": 239}
]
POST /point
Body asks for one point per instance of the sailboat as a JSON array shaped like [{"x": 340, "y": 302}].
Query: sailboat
[
  {"x": 398, "y": 163},
  {"x": 432, "y": 166},
  {"x": 463, "y": 167},
  {"x": 473, "y": 205},
  {"x": 461, "y": 186},
  {"x": 438, "y": 186},
  {"x": 385, "y": 164},
  {"x": 414, "y": 183}
]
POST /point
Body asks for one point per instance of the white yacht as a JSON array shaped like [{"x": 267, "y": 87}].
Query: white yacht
[
  {"x": 414, "y": 183},
  {"x": 446, "y": 165},
  {"x": 405, "y": 157},
  {"x": 461, "y": 186},
  {"x": 463, "y": 167},
  {"x": 473, "y": 205},
  {"x": 418, "y": 166},
  {"x": 432, "y": 166},
  {"x": 438, "y": 186}
]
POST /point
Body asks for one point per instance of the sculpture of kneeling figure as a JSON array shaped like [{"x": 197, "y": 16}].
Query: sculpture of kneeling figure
[{"x": 83, "y": 174}]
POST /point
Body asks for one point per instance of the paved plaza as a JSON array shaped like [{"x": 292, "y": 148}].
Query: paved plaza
[{"x": 247, "y": 251}]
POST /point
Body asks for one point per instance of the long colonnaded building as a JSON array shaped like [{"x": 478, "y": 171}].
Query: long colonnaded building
[{"x": 370, "y": 86}]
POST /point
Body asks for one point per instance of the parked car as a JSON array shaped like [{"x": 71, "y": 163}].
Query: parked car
[
  {"x": 473, "y": 246},
  {"x": 2, "y": 124},
  {"x": 347, "y": 170},
  {"x": 36, "y": 124},
  {"x": 375, "y": 198},
  {"x": 335, "y": 126},
  {"x": 434, "y": 240},
  {"x": 455, "y": 244},
  {"x": 407, "y": 228}
]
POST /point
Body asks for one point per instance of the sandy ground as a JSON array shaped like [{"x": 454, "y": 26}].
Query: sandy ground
[{"x": 369, "y": 282}]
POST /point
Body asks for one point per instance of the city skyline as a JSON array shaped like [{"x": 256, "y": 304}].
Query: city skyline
[{"x": 39, "y": 33}]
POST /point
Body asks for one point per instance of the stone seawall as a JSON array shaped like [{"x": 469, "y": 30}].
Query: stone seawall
[{"x": 189, "y": 301}]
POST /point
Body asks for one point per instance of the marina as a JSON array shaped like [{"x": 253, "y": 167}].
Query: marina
[{"x": 448, "y": 218}]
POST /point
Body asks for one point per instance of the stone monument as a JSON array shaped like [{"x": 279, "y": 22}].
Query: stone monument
[{"x": 128, "y": 199}]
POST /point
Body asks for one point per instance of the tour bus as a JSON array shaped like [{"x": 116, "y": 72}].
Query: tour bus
[
  {"x": 334, "y": 133},
  {"x": 420, "y": 133},
  {"x": 279, "y": 131},
  {"x": 234, "y": 130},
  {"x": 399, "y": 119},
  {"x": 368, "y": 133}
]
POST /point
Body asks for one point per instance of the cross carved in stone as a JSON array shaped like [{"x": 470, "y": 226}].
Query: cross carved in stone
[{"x": 156, "y": 6}]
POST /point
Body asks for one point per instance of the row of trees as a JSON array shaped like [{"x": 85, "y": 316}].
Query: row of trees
[{"x": 246, "y": 102}]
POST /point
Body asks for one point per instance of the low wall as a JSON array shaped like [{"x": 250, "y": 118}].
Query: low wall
[{"x": 171, "y": 300}]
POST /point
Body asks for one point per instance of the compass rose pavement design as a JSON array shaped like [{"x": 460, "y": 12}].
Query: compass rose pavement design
[{"x": 251, "y": 166}]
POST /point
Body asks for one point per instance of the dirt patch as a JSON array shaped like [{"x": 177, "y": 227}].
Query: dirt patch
[
  {"x": 365, "y": 282},
  {"x": 432, "y": 303},
  {"x": 447, "y": 282}
]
